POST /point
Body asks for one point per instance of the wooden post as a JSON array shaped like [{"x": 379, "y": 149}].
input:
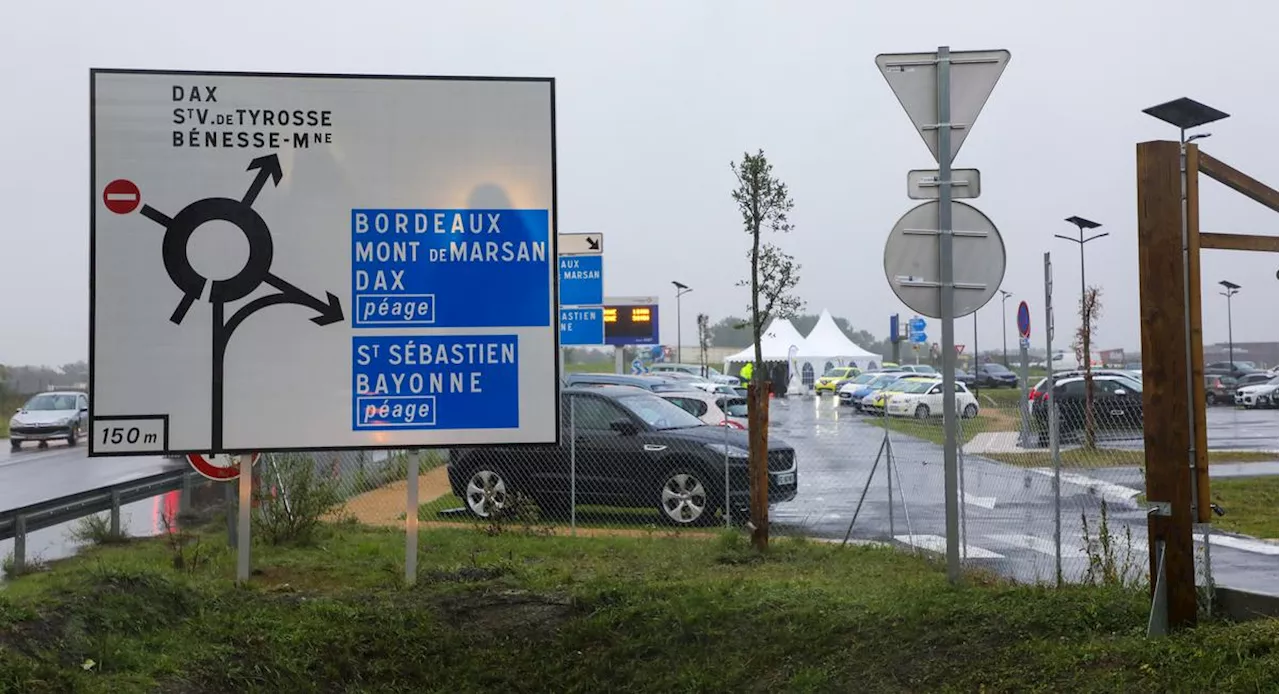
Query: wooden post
[
  {"x": 1166, "y": 431},
  {"x": 1198, "y": 398},
  {"x": 758, "y": 461}
]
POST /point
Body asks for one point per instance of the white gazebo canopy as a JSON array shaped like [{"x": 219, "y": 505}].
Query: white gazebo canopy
[{"x": 775, "y": 343}]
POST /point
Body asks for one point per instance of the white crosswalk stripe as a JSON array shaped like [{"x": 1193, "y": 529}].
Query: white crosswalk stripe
[
  {"x": 1039, "y": 544},
  {"x": 1244, "y": 544},
  {"x": 937, "y": 543}
]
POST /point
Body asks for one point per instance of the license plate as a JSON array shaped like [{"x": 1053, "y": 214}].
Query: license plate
[{"x": 787, "y": 478}]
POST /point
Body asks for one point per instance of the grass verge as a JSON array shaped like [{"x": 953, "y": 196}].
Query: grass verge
[
  {"x": 1115, "y": 457},
  {"x": 521, "y": 613},
  {"x": 1250, "y": 503},
  {"x": 931, "y": 429}
]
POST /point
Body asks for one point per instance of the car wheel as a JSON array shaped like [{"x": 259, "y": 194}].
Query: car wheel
[
  {"x": 922, "y": 411},
  {"x": 14, "y": 445},
  {"x": 487, "y": 493},
  {"x": 1210, "y": 399},
  {"x": 73, "y": 437},
  {"x": 685, "y": 499},
  {"x": 970, "y": 411}
]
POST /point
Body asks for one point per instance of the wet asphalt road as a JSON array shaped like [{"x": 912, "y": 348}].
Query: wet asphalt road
[{"x": 1008, "y": 520}]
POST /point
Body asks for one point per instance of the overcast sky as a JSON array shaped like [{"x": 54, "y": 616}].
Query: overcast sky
[{"x": 654, "y": 99}]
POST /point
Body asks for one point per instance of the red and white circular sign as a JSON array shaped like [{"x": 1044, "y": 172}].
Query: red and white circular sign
[
  {"x": 220, "y": 468},
  {"x": 121, "y": 196}
]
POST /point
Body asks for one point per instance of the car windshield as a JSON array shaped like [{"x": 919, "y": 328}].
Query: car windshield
[
  {"x": 659, "y": 413},
  {"x": 995, "y": 368},
  {"x": 882, "y": 381},
  {"x": 916, "y": 386},
  {"x": 865, "y": 378},
  {"x": 48, "y": 401},
  {"x": 902, "y": 384},
  {"x": 924, "y": 369},
  {"x": 734, "y": 408},
  {"x": 1274, "y": 380}
]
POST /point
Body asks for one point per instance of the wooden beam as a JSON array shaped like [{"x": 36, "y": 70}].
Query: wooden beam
[
  {"x": 1242, "y": 183},
  {"x": 1198, "y": 400},
  {"x": 1166, "y": 429},
  {"x": 1239, "y": 242}
]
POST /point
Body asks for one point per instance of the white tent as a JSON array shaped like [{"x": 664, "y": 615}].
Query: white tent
[
  {"x": 826, "y": 346},
  {"x": 775, "y": 343}
]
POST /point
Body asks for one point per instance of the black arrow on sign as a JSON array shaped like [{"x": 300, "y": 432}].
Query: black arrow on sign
[
  {"x": 268, "y": 167},
  {"x": 593, "y": 243},
  {"x": 330, "y": 309}
]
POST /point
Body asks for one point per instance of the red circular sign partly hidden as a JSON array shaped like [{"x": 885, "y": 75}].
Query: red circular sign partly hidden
[
  {"x": 121, "y": 196},
  {"x": 220, "y": 468}
]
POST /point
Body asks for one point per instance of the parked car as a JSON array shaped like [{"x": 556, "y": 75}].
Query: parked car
[
  {"x": 656, "y": 384},
  {"x": 835, "y": 377},
  {"x": 918, "y": 369},
  {"x": 713, "y": 409},
  {"x": 964, "y": 377},
  {"x": 875, "y": 402},
  {"x": 708, "y": 372},
  {"x": 1040, "y": 391},
  {"x": 1219, "y": 390},
  {"x": 1257, "y": 395},
  {"x": 1117, "y": 404},
  {"x": 1235, "y": 370},
  {"x": 632, "y": 449},
  {"x": 61, "y": 415},
  {"x": 853, "y": 392},
  {"x": 1252, "y": 379},
  {"x": 993, "y": 375},
  {"x": 922, "y": 399}
]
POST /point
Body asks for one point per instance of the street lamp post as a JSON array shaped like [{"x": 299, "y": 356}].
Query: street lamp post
[
  {"x": 681, "y": 290},
  {"x": 1004, "y": 322},
  {"x": 1081, "y": 224},
  {"x": 1232, "y": 289}
]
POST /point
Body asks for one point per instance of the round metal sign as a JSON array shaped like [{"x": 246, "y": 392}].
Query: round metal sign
[
  {"x": 1024, "y": 320},
  {"x": 221, "y": 467},
  {"x": 977, "y": 259}
]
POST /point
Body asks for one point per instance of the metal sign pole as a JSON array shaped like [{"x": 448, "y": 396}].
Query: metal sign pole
[
  {"x": 246, "y": 508},
  {"x": 947, "y": 282},
  {"x": 573, "y": 466},
  {"x": 411, "y": 520},
  {"x": 1051, "y": 419}
]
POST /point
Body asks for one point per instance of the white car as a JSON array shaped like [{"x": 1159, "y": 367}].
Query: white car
[
  {"x": 923, "y": 399},
  {"x": 54, "y": 416},
  {"x": 694, "y": 370},
  {"x": 715, "y": 409},
  {"x": 1260, "y": 395}
]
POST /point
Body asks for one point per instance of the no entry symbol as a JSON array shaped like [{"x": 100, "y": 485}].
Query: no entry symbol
[{"x": 121, "y": 196}]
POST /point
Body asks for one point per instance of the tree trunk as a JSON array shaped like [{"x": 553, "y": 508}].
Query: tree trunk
[
  {"x": 1090, "y": 433},
  {"x": 758, "y": 461}
]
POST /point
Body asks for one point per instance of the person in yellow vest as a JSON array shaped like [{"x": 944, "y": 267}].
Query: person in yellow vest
[{"x": 745, "y": 373}]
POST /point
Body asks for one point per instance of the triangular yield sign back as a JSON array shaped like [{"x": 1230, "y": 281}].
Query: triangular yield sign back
[{"x": 914, "y": 80}]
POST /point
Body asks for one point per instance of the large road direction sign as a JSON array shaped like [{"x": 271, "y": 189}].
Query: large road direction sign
[{"x": 396, "y": 234}]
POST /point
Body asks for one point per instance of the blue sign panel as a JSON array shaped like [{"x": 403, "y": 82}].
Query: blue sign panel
[
  {"x": 627, "y": 324},
  {"x": 581, "y": 326},
  {"x": 893, "y": 328},
  {"x": 637, "y": 367},
  {"x": 435, "y": 382},
  {"x": 581, "y": 281},
  {"x": 1024, "y": 320},
  {"x": 916, "y": 325},
  {"x": 919, "y": 338},
  {"x": 450, "y": 268}
]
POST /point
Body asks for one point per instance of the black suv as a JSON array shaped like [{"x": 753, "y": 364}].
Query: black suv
[
  {"x": 633, "y": 449},
  {"x": 1117, "y": 404}
]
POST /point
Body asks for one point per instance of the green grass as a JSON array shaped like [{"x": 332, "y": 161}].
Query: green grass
[
  {"x": 531, "y": 614},
  {"x": 1251, "y": 504},
  {"x": 1114, "y": 457},
  {"x": 931, "y": 429}
]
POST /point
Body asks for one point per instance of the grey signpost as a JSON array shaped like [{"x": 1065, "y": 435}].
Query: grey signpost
[
  {"x": 1024, "y": 343},
  {"x": 942, "y": 93},
  {"x": 1051, "y": 418}
]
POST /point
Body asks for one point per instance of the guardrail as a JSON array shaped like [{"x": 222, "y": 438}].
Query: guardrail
[{"x": 17, "y": 523}]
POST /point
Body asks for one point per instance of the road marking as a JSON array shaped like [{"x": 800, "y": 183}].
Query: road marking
[
  {"x": 1244, "y": 544},
  {"x": 1098, "y": 487},
  {"x": 937, "y": 543},
  {"x": 987, "y": 502},
  {"x": 1039, "y": 544}
]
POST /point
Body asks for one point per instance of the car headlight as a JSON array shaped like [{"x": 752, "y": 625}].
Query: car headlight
[{"x": 728, "y": 451}]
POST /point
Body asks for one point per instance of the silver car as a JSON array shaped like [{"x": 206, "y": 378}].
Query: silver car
[{"x": 52, "y": 416}]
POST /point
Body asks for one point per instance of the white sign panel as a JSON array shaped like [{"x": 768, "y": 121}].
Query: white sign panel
[
  {"x": 303, "y": 262},
  {"x": 591, "y": 243}
]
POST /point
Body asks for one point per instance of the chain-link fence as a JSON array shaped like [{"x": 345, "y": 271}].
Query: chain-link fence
[{"x": 1049, "y": 489}]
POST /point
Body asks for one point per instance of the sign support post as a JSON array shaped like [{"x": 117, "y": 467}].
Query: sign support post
[
  {"x": 1051, "y": 419},
  {"x": 1024, "y": 342},
  {"x": 243, "y": 527},
  {"x": 411, "y": 519}
]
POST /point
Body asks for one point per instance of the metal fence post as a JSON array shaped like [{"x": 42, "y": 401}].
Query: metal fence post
[
  {"x": 573, "y": 466},
  {"x": 19, "y": 544},
  {"x": 411, "y": 519},
  {"x": 115, "y": 512},
  {"x": 185, "y": 502}
]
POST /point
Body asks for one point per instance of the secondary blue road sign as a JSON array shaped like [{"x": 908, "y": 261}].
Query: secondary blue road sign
[
  {"x": 429, "y": 381},
  {"x": 581, "y": 281},
  {"x": 637, "y": 367},
  {"x": 434, "y": 268},
  {"x": 581, "y": 326},
  {"x": 1024, "y": 320},
  {"x": 919, "y": 337},
  {"x": 916, "y": 325}
]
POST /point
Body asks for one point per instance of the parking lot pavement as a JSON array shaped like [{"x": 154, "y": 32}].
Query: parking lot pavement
[
  {"x": 1008, "y": 522},
  {"x": 1229, "y": 429}
]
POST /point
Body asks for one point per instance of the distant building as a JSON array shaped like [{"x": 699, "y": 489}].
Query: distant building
[{"x": 1263, "y": 354}]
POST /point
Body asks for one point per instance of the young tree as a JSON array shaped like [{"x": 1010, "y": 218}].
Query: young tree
[
  {"x": 1090, "y": 309},
  {"x": 704, "y": 340},
  {"x": 764, "y": 203}
]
